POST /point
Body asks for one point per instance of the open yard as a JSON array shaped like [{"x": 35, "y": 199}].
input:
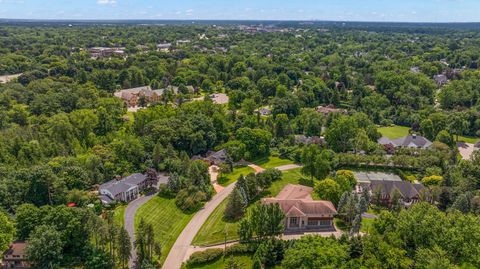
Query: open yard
[
  {"x": 119, "y": 213},
  {"x": 168, "y": 221},
  {"x": 244, "y": 261},
  {"x": 227, "y": 179},
  {"x": 271, "y": 162},
  {"x": 213, "y": 230},
  {"x": 396, "y": 131}
]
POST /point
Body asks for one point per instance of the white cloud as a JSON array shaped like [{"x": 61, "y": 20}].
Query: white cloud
[{"x": 106, "y": 2}]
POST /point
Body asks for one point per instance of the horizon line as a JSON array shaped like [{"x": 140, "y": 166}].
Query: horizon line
[{"x": 237, "y": 20}]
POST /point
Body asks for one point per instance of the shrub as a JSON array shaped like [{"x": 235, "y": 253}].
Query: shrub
[
  {"x": 239, "y": 249},
  {"x": 202, "y": 257},
  {"x": 432, "y": 180}
]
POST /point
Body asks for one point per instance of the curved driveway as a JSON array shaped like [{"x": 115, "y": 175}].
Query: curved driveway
[
  {"x": 130, "y": 221},
  {"x": 182, "y": 247},
  {"x": 178, "y": 253}
]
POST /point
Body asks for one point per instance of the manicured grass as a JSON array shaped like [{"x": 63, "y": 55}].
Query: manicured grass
[
  {"x": 401, "y": 131},
  {"x": 467, "y": 139},
  {"x": 394, "y": 131},
  {"x": 244, "y": 261},
  {"x": 213, "y": 230},
  {"x": 168, "y": 221},
  {"x": 119, "y": 213},
  {"x": 271, "y": 162},
  {"x": 227, "y": 179}
]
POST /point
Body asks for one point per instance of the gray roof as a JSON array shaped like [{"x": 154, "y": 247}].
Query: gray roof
[
  {"x": 118, "y": 186},
  {"x": 410, "y": 141},
  {"x": 220, "y": 155},
  {"x": 406, "y": 189}
]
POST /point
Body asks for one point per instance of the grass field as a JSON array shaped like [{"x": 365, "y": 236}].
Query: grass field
[
  {"x": 394, "y": 131},
  {"x": 401, "y": 131},
  {"x": 213, "y": 230},
  {"x": 271, "y": 162},
  {"x": 227, "y": 179},
  {"x": 244, "y": 262},
  {"x": 119, "y": 213},
  {"x": 168, "y": 221}
]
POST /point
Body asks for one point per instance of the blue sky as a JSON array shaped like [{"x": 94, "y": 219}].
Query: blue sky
[{"x": 350, "y": 10}]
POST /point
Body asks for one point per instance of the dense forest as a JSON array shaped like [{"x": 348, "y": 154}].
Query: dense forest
[{"x": 63, "y": 133}]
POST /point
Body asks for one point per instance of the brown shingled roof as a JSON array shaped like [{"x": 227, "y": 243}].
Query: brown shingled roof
[{"x": 295, "y": 200}]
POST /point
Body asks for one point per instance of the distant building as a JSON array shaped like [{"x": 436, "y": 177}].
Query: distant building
[
  {"x": 123, "y": 190},
  {"x": 309, "y": 140},
  {"x": 132, "y": 96},
  {"x": 410, "y": 141},
  {"x": 183, "y": 42},
  {"x": 440, "y": 79},
  {"x": 165, "y": 47},
  {"x": 415, "y": 69},
  {"x": 326, "y": 110},
  {"x": 8, "y": 78},
  {"x": 216, "y": 157},
  {"x": 409, "y": 193},
  {"x": 219, "y": 98},
  {"x": 302, "y": 213},
  {"x": 101, "y": 52},
  {"x": 15, "y": 256},
  {"x": 264, "y": 111}
]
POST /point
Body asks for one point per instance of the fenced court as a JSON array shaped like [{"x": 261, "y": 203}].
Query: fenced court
[{"x": 369, "y": 176}]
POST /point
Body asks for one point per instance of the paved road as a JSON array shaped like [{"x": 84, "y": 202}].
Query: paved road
[{"x": 178, "y": 253}]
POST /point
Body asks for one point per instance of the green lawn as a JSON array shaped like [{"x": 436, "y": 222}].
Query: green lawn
[
  {"x": 271, "y": 162},
  {"x": 213, "y": 230},
  {"x": 401, "y": 131},
  {"x": 394, "y": 131},
  {"x": 467, "y": 139},
  {"x": 168, "y": 221},
  {"x": 119, "y": 213},
  {"x": 243, "y": 260},
  {"x": 227, "y": 179}
]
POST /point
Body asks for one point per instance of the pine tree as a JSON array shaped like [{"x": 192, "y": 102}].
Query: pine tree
[
  {"x": 356, "y": 224},
  {"x": 141, "y": 240},
  {"x": 362, "y": 205},
  {"x": 124, "y": 247},
  {"x": 343, "y": 200},
  {"x": 235, "y": 207}
]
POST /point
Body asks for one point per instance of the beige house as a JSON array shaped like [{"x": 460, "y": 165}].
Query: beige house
[
  {"x": 15, "y": 256},
  {"x": 302, "y": 213}
]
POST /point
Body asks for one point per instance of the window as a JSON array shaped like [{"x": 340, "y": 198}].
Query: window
[
  {"x": 294, "y": 221},
  {"x": 312, "y": 222},
  {"x": 325, "y": 222}
]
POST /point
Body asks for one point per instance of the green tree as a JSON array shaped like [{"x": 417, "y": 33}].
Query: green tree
[
  {"x": 7, "y": 230},
  {"x": 315, "y": 252},
  {"x": 124, "y": 247},
  {"x": 45, "y": 246},
  {"x": 235, "y": 206},
  {"x": 329, "y": 190}
]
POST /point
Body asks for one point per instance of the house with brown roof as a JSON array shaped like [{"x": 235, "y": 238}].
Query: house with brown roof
[
  {"x": 383, "y": 191},
  {"x": 302, "y": 213},
  {"x": 15, "y": 256},
  {"x": 326, "y": 110}
]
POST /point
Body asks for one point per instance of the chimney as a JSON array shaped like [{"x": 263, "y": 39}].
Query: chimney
[
  {"x": 118, "y": 177},
  {"x": 414, "y": 136}
]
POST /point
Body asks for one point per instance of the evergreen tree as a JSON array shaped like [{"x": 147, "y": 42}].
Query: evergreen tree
[
  {"x": 235, "y": 206},
  {"x": 124, "y": 247}
]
